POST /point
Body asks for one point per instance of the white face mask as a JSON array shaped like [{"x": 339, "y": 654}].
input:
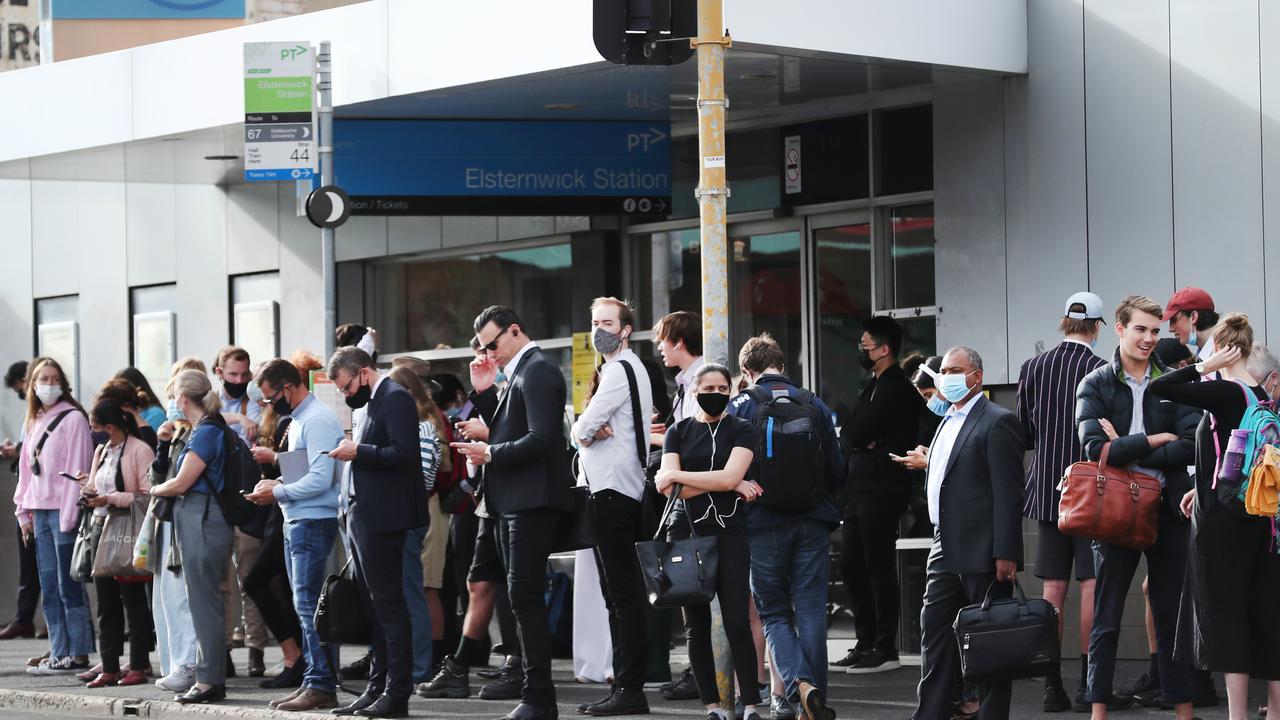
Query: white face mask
[{"x": 48, "y": 394}]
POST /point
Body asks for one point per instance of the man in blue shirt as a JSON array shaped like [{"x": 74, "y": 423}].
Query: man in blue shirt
[
  {"x": 789, "y": 549},
  {"x": 310, "y": 507}
]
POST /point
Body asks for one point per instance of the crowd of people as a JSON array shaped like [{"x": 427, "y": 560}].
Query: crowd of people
[{"x": 447, "y": 505}]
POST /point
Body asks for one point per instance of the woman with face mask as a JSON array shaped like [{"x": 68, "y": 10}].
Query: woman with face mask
[
  {"x": 705, "y": 459},
  {"x": 56, "y": 440},
  {"x": 203, "y": 533}
]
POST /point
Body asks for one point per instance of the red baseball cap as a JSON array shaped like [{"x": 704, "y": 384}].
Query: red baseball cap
[{"x": 1188, "y": 298}]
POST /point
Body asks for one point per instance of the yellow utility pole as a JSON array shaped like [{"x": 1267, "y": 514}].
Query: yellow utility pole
[{"x": 713, "y": 192}]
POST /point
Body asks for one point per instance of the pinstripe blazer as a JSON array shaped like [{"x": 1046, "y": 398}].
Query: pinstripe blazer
[{"x": 1046, "y": 407}]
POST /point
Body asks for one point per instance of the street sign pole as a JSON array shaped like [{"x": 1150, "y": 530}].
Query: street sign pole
[
  {"x": 712, "y": 192},
  {"x": 328, "y": 265}
]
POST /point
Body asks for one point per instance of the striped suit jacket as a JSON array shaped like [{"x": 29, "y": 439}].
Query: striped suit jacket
[{"x": 1046, "y": 407}]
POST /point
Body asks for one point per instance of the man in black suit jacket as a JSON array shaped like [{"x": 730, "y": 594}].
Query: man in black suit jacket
[
  {"x": 526, "y": 481},
  {"x": 975, "y": 502},
  {"x": 387, "y": 499}
]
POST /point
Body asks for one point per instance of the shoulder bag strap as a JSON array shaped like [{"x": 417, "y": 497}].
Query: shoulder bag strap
[
  {"x": 120, "y": 465},
  {"x": 49, "y": 430},
  {"x": 642, "y": 444}
]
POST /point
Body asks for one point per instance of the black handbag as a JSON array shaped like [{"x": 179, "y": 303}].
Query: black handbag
[
  {"x": 1007, "y": 639},
  {"x": 681, "y": 572},
  {"x": 576, "y": 529},
  {"x": 340, "y": 617}
]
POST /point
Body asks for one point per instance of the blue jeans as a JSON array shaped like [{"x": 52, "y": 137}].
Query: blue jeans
[
  {"x": 307, "y": 544},
  {"x": 789, "y": 584},
  {"x": 66, "y": 604},
  {"x": 415, "y": 596}
]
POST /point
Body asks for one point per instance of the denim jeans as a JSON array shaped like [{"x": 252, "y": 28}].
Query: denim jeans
[
  {"x": 789, "y": 584},
  {"x": 175, "y": 630},
  {"x": 307, "y": 544},
  {"x": 66, "y": 604},
  {"x": 415, "y": 596}
]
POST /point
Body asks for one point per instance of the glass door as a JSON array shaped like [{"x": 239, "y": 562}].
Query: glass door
[
  {"x": 767, "y": 290},
  {"x": 844, "y": 281}
]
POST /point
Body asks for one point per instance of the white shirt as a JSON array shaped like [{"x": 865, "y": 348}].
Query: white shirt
[
  {"x": 940, "y": 454},
  {"x": 514, "y": 362},
  {"x": 686, "y": 404},
  {"x": 1137, "y": 426},
  {"x": 613, "y": 463},
  {"x": 252, "y": 410}
]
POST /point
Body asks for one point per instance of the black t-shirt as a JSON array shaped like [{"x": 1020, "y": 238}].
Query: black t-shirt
[{"x": 713, "y": 513}]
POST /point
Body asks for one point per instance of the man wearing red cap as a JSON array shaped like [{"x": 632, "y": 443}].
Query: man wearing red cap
[{"x": 1191, "y": 317}]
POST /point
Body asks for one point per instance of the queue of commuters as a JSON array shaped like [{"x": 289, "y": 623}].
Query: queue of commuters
[{"x": 248, "y": 486}]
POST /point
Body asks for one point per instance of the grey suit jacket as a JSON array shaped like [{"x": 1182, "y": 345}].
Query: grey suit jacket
[{"x": 980, "y": 506}]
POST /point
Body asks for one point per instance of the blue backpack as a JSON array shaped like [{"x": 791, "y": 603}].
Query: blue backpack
[{"x": 1262, "y": 427}]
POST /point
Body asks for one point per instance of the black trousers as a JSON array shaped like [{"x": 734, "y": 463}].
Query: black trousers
[
  {"x": 527, "y": 537},
  {"x": 619, "y": 524},
  {"x": 869, "y": 566},
  {"x": 28, "y": 580},
  {"x": 115, "y": 600},
  {"x": 1166, "y": 568},
  {"x": 267, "y": 583},
  {"x": 379, "y": 565},
  {"x": 945, "y": 593},
  {"x": 733, "y": 592}
]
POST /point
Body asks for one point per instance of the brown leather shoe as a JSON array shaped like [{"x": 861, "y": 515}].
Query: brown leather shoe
[
  {"x": 17, "y": 630},
  {"x": 280, "y": 701},
  {"x": 35, "y": 661},
  {"x": 309, "y": 700}
]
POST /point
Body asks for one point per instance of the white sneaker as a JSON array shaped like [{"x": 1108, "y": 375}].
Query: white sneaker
[
  {"x": 178, "y": 681},
  {"x": 59, "y": 666}
]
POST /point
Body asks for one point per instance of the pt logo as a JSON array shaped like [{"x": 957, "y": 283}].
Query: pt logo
[
  {"x": 293, "y": 52},
  {"x": 188, "y": 5}
]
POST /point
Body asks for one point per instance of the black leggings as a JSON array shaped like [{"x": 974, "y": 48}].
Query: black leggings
[
  {"x": 733, "y": 590},
  {"x": 115, "y": 600},
  {"x": 267, "y": 583}
]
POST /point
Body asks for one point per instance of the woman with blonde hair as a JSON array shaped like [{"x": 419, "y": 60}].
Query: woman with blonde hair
[
  {"x": 1233, "y": 569},
  {"x": 203, "y": 533},
  {"x": 56, "y": 440}
]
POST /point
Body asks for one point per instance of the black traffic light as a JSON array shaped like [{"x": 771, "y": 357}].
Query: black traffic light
[{"x": 645, "y": 32}]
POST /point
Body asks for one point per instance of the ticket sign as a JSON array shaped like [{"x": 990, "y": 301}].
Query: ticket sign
[{"x": 279, "y": 111}]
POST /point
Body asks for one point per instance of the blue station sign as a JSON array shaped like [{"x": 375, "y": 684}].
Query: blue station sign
[
  {"x": 147, "y": 9},
  {"x": 447, "y": 167}
]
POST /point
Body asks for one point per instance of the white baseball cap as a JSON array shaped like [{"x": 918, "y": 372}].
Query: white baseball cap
[{"x": 1091, "y": 303}]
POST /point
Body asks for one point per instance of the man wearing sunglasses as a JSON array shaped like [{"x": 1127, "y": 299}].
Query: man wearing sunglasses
[{"x": 526, "y": 482}]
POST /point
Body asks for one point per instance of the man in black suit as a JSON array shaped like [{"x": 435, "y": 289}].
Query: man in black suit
[
  {"x": 975, "y": 502},
  {"x": 387, "y": 498},
  {"x": 526, "y": 482}
]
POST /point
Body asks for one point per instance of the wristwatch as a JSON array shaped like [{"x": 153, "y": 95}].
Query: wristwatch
[
  {"x": 488, "y": 453},
  {"x": 1200, "y": 367}
]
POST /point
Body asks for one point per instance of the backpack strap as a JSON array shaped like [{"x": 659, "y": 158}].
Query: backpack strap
[{"x": 49, "y": 431}]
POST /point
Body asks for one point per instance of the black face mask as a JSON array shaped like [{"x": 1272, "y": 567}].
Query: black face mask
[
  {"x": 235, "y": 390},
  {"x": 22, "y": 395},
  {"x": 713, "y": 403},
  {"x": 864, "y": 359},
  {"x": 360, "y": 398},
  {"x": 281, "y": 406}
]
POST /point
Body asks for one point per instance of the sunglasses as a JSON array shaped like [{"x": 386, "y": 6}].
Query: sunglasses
[{"x": 493, "y": 344}]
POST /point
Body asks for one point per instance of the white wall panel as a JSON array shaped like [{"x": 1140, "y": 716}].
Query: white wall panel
[
  {"x": 969, "y": 182},
  {"x": 1130, "y": 176},
  {"x": 55, "y": 232},
  {"x": 1269, "y": 17},
  {"x": 360, "y": 238},
  {"x": 16, "y": 326},
  {"x": 461, "y": 231},
  {"x": 203, "y": 306},
  {"x": 66, "y": 105},
  {"x": 253, "y": 227},
  {"x": 1217, "y": 146},
  {"x": 301, "y": 287},
  {"x": 151, "y": 227},
  {"x": 104, "y": 292},
  {"x": 1048, "y": 262},
  {"x": 414, "y": 234}
]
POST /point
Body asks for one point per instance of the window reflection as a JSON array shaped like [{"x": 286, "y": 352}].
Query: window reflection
[{"x": 844, "y": 303}]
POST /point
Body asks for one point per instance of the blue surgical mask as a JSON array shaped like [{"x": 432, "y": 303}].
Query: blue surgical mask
[
  {"x": 454, "y": 413},
  {"x": 173, "y": 414},
  {"x": 1192, "y": 341},
  {"x": 953, "y": 387},
  {"x": 938, "y": 406},
  {"x": 502, "y": 378}
]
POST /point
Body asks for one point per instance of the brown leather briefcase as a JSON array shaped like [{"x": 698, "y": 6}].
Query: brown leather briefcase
[{"x": 1109, "y": 504}]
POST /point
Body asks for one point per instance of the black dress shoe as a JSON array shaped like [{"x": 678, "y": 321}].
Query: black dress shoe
[
  {"x": 358, "y": 670},
  {"x": 290, "y": 677},
  {"x": 622, "y": 702},
  {"x": 198, "y": 697},
  {"x": 361, "y": 703},
  {"x": 386, "y": 707},
  {"x": 525, "y": 711}
]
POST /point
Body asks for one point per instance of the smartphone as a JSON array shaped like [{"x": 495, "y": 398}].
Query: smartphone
[
  {"x": 69, "y": 476},
  {"x": 324, "y": 452}
]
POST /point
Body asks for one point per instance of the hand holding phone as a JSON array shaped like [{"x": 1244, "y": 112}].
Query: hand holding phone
[{"x": 71, "y": 477}]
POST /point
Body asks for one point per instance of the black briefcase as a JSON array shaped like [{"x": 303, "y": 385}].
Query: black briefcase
[
  {"x": 1007, "y": 639},
  {"x": 340, "y": 617}
]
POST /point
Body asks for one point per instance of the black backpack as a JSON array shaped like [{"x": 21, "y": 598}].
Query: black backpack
[
  {"x": 240, "y": 474},
  {"x": 789, "y": 461}
]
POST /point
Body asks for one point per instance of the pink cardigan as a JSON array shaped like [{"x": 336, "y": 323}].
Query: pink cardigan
[
  {"x": 134, "y": 467},
  {"x": 68, "y": 449}
]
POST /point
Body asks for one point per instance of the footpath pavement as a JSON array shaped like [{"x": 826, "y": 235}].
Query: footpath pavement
[{"x": 884, "y": 696}]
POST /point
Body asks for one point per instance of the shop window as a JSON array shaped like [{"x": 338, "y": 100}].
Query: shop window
[
  {"x": 255, "y": 314},
  {"x": 912, "y": 249},
  {"x": 668, "y": 274},
  {"x": 904, "y": 150},
  {"x": 825, "y": 161},
  {"x": 844, "y": 304},
  {"x": 431, "y": 304},
  {"x": 754, "y": 172},
  {"x": 58, "y": 334},
  {"x": 153, "y": 331},
  {"x": 765, "y": 293}
]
